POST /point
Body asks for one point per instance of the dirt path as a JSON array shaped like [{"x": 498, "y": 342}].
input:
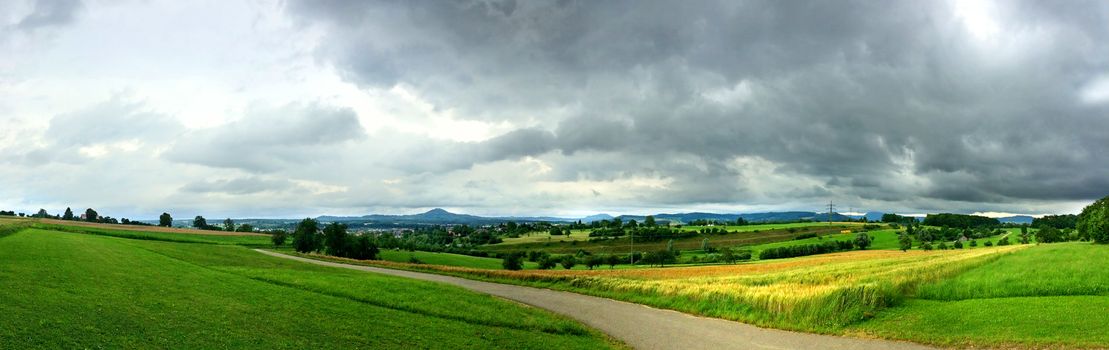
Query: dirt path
[{"x": 640, "y": 326}]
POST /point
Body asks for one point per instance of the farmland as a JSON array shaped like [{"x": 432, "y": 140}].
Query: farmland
[
  {"x": 735, "y": 237},
  {"x": 68, "y": 290},
  {"x": 1045, "y": 296}
]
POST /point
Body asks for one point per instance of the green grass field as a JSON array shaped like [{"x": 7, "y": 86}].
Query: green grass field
[
  {"x": 1052, "y": 295},
  {"x": 66, "y": 290},
  {"x": 254, "y": 240}
]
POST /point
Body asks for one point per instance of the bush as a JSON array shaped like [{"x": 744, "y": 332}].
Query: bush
[
  {"x": 568, "y": 262},
  {"x": 806, "y": 249},
  {"x": 805, "y": 236},
  {"x": 958, "y": 244},
  {"x": 278, "y": 237},
  {"x": 926, "y": 246},
  {"x": 988, "y": 244},
  {"x": 514, "y": 261},
  {"x": 862, "y": 240},
  {"x": 973, "y": 243},
  {"x": 413, "y": 260},
  {"x": 547, "y": 263}
]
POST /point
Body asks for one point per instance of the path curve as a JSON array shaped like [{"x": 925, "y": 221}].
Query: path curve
[{"x": 639, "y": 326}]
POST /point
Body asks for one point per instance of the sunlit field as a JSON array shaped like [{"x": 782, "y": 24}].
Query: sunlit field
[{"x": 821, "y": 293}]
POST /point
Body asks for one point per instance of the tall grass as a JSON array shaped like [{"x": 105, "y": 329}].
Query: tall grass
[{"x": 1056, "y": 269}]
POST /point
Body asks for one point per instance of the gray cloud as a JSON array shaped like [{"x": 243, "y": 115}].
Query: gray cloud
[
  {"x": 893, "y": 102},
  {"x": 48, "y": 13},
  {"x": 270, "y": 140}
]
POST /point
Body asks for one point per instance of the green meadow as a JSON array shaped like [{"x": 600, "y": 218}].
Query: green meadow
[{"x": 68, "y": 290}]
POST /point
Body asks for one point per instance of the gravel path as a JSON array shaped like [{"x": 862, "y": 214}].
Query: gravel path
[{"x": 639, "y": 326}]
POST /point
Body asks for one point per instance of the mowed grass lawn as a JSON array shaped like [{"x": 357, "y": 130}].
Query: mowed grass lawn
[
  {"x": 66, "y": 290},
  {"x": 1051, "y": 295}
]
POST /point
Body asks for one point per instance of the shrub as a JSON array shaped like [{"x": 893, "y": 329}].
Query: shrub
[
  {"x": 988, "y": 244},
  {"x": 568, "y": 262},
  {"x": 413, "y": 260},
  {"x": 958, "y": 244},
  {"x": 862, "y": 240},
  {"x": 805, "y": 236},
  {"x": 973, "y": 243},
  {"x": 278, "y": 237},
  {"x": 805, "y": 249},
  {"x": 547, "y": 263},
  {"x": 926, "y": 246},
  {"x": 514, "y": 261}
]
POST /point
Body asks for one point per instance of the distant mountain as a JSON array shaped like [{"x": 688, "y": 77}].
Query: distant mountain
[
  {"x": 1018, "y": 219},
  {"x": 440, "y": 216},
  {"x": 437, "y": 216},
  {"x": 596, "y": 217},
  {"x": 873, "y": 216}
]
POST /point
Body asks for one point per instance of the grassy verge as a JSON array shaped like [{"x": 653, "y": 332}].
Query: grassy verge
[{"x": 67, "y": 290}]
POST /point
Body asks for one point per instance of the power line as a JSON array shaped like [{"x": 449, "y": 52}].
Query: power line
[{"x": 831, "y": 209}]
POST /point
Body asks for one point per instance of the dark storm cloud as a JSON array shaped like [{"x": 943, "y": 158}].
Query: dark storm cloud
[
  {"x": 269, "y": 140},
  {"x": 49, "y": 13},
  {"x": 881, "y": 100}
]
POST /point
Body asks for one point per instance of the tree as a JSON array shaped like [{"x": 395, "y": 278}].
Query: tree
[
  {"x": 862, "y": 240},
  {"x": 555, "y": 231},
  {"x": 228, "y": 225},
  {"x": 593, "y": 261},
  {"x": 649, "y": 221},
  {"x": 942, "y": 246},
  {"x": 1025, "y": 238},
  {"x": 363, "y": 248},
  {"x": 91, "y": 215},
  {"x": 905, "y": 241},
  {"x": 926, "y": 246},
  {"x": 513, "y": 261},
  {"x": 335, "y": 239},
  {"x": 278, "y": 237},
  {"x": 727, "y": 255},
  {"x": 546, "y": 262},
  {"x": 958, "y": 244},
  {"x": 165, "y": 220},
  {"x": 568, "y": 262},
  {"x": 1049, "y": 234},
  {"x": 1093, "y": 222},
  {"x": 41, "y": 214},
  {"x": 200, "y": 223},
  {"x": 305, "y": 236},
  {"x": 245, "y": 228},
  {"x": 68, "y": 214},
  {"x": 612, "y": 261},
  {"x": 973, "y": 243},
  {"x": 705, "y": 244},
  {"x": 670, "y": 246}
]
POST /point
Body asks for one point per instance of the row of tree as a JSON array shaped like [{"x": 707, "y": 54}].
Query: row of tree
[{"x": 332, "y": 239}]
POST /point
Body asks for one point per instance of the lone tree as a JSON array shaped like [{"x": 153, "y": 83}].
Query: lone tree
[
  {"x": 200, "y": 223},
  {"x": 727, "y": 255},
  {"x": 905, "y": 241},
  {"x": 91, "y": 215},
  {"x": 862, "y": 240},
  {"x": 1093, "y": 222},
  {"x": 513, "y": 261},
  {"x": 228, "y": 225},
  {"x": 568, "y": 262},
  {"x": 165, "y": 220},
  {"x": 278, "y": 237},
  {"x": 304, "y": 238},
  {"x": 68, "y": 214}
]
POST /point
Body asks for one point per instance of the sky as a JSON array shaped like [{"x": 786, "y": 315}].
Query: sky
[{"x": 294, "y": 108}]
